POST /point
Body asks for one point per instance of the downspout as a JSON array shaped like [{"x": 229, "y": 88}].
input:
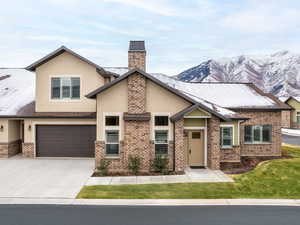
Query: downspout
[{"x": 174, "y": 142}]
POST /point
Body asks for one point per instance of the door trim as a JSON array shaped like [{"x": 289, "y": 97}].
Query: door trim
[{"x": 205, "y": 140}]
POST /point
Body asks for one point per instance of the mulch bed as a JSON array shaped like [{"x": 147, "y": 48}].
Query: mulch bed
[{"x": 126, "y": 174}]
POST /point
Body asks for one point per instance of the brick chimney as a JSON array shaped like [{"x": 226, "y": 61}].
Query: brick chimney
[{"x": 137, "y": 55}]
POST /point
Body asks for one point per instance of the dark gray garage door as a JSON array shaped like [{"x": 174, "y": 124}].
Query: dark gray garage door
[{"x": 65, "y": 140}]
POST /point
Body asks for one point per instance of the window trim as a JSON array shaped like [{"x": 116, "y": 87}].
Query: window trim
[
  {"x": 161, "y": 128},
  {"x": 221, "y": 137},
  {"x": 112, "y": 128},
  {"x": 65, "y": 99},
  {"x": 261, "y": 134}
]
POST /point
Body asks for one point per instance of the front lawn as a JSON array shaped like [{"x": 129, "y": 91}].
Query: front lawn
[{"x": 271, "y": 179}]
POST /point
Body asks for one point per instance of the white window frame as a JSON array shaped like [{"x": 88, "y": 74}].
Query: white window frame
[
  {"x": 232, "y": 141},
  {"x": 161, "y": 128},
  {"x": 261, "y": 135},
  {"x": 112, "y": 128},
  {"x": 61, "y": 99}
]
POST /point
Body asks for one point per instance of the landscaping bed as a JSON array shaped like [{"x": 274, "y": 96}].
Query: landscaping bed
[
  {"x": 277, "y": 178},
  {"x": 125, "y": 174}
]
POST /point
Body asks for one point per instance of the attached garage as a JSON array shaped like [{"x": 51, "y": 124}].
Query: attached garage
[{"x": 65, "y": 140}]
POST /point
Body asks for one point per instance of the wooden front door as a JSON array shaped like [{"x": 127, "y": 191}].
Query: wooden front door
[{"x": 196, "y": 148}]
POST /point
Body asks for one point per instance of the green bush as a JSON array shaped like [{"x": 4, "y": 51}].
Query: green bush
[
  {"x": 160, "y": 164},
  {"x": 134, "y": 164},
  {"x": 103, "y": 167}
]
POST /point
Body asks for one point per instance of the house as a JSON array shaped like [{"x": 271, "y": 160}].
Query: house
[
  {"x": 291, "y": 118},
  {"x": 77, "y": 108}
]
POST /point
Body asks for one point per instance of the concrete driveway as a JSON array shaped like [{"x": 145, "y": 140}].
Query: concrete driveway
[{"x": 43, "y": 178}]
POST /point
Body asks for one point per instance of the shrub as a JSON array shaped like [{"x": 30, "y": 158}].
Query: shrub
[
  {"x": 103, "y": 167},
  {"x": 134, "y": 164},
  {"x": 160, "y": 164}
]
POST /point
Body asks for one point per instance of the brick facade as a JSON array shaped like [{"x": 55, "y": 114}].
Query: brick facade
[
  {"x": 28, "y": 150},
  {"x": 213, "y": 143},
  {"x": 286, "y": 119},
  {"x": 230, "y": 154},
  {"x": 262, "y": 118},
  {"x": 10, "y": 149}
]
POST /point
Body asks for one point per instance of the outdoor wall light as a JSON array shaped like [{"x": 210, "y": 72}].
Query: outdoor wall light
[
  {"x": 1, "y": 128},
  {"x": 29, "y": 127}
]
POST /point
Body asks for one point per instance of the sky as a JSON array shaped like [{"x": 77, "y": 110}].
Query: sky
[{"x": 178, "y": 34}]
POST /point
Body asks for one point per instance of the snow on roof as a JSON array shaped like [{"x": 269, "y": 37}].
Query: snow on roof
[
  {"x": 283, "y": 98},
  {"x": 117, "y": 70},
  {"x": 16, "y": 91},
  {"x": 228, "y": 95}
]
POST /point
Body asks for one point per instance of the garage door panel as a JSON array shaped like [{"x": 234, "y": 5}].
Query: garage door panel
[{"x": 65, "y": 140}]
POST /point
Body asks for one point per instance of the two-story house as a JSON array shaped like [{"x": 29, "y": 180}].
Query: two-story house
[{"x": 81, "y": 109}]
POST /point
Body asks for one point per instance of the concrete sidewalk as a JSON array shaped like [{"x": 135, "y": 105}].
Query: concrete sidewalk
[
  {"x": 190, "y": 176},
  {"x": 150, "y": 202}
]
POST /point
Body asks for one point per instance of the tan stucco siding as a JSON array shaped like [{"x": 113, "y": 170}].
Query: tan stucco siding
[
  {"x": 14, "y": 131},
  {"x": 296, "y": 105},
  {"x": 4, "y": 131},
  {"x": 66, "y": 65},
  {"x": 113, "y": 100},
  {"x": 198, "y": 112},
  {"x": 30, "y": 125},
  {"x": 160, "y": 101},
  {"x": 194, "y": 122},
  {"x": 236, "y": 131}
]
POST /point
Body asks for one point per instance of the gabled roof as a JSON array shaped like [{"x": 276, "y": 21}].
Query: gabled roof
[
  {"x": 297, "y": 99},
  {"x": 93, "y": 94},
  {"x": 63, "y": 49}
]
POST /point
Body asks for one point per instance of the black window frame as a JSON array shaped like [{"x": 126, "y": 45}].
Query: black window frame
[{"x": 261, "y": 130}]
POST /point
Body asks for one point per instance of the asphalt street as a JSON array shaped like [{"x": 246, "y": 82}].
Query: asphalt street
[{"x": 147, "y": 215}]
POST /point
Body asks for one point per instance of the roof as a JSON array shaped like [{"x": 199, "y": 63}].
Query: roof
[
  {"x": 296, "y": 98},
  {"x": 227, "y": 95},
  {"x": 209, "y": 107},
  {"x": 63, "y": 49},
  {"x": 137, "y": 46},
  {"x": 16, "y": 90}
]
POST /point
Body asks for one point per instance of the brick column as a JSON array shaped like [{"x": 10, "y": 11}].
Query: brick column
[
  {"x": 28, "y": 150},
  {"x": 136, "y": 93},
  {"x": 213, "y": 143},
  {"x": 179, "y": 146}
]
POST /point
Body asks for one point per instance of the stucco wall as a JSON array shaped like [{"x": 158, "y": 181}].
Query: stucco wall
[
  {"x": 4, "y": 132},
  {"x": 14, "y": 132},
  {"x": 66, "y": 65},
  {"x": 296, "y": 106}
]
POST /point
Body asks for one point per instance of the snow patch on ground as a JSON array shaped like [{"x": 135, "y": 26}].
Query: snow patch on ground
[{"x": 293, "y": 132}]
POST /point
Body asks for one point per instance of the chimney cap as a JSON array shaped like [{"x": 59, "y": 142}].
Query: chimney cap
[{"x": 137, "y": 46}]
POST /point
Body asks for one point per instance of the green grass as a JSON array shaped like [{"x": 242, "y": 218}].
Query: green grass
[{"x": 271, "y": 179}]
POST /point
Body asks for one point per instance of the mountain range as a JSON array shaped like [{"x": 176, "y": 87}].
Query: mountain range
[{"x": 277, "y": 73}]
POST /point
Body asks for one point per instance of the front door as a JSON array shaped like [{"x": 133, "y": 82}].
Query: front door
[{"x": 196, "y": 148}]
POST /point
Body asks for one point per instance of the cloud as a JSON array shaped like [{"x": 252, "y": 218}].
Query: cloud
[
  {"x": 263, "y": 18},
  {"x": 64, "y": 39}
]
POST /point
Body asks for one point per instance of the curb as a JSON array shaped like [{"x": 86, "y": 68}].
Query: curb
[{"x": 151, "y": 202}]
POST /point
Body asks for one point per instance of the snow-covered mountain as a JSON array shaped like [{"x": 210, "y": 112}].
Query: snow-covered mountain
[{"x": 278, "y": 73}]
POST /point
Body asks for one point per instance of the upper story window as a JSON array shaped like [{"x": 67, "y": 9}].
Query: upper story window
[
  {"x": 161, "y": 134},
  {"x": 258, "y": 134},
  {"x": 227, "y": 136},
  {"x": 65, "y": 88}
]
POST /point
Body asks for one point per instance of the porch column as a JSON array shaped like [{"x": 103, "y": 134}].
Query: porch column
[
  {"x": 213, "y": 143},
  {"x": 180, "y": 160}
]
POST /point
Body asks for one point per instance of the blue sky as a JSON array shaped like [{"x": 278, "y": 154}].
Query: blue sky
[{"x": 178, "y": 34}]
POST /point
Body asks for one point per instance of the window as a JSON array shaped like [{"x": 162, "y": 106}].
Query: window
[
  {"x": 161, "y": 121},
  {"x": 196, "y": 135},
  {"x": 298, "y": 117},
  {"x": 112, "y": 142},
  {"x": 65, "y": 88},
  {"x": 112, "y": 135},
  {"x": 111, "y": 121},
  {"x": 161, "y": 134},
  {"x": 161, "y": 142},
  {"x": 226, "y": 137},
  {"x": 258, "y": 134}
]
